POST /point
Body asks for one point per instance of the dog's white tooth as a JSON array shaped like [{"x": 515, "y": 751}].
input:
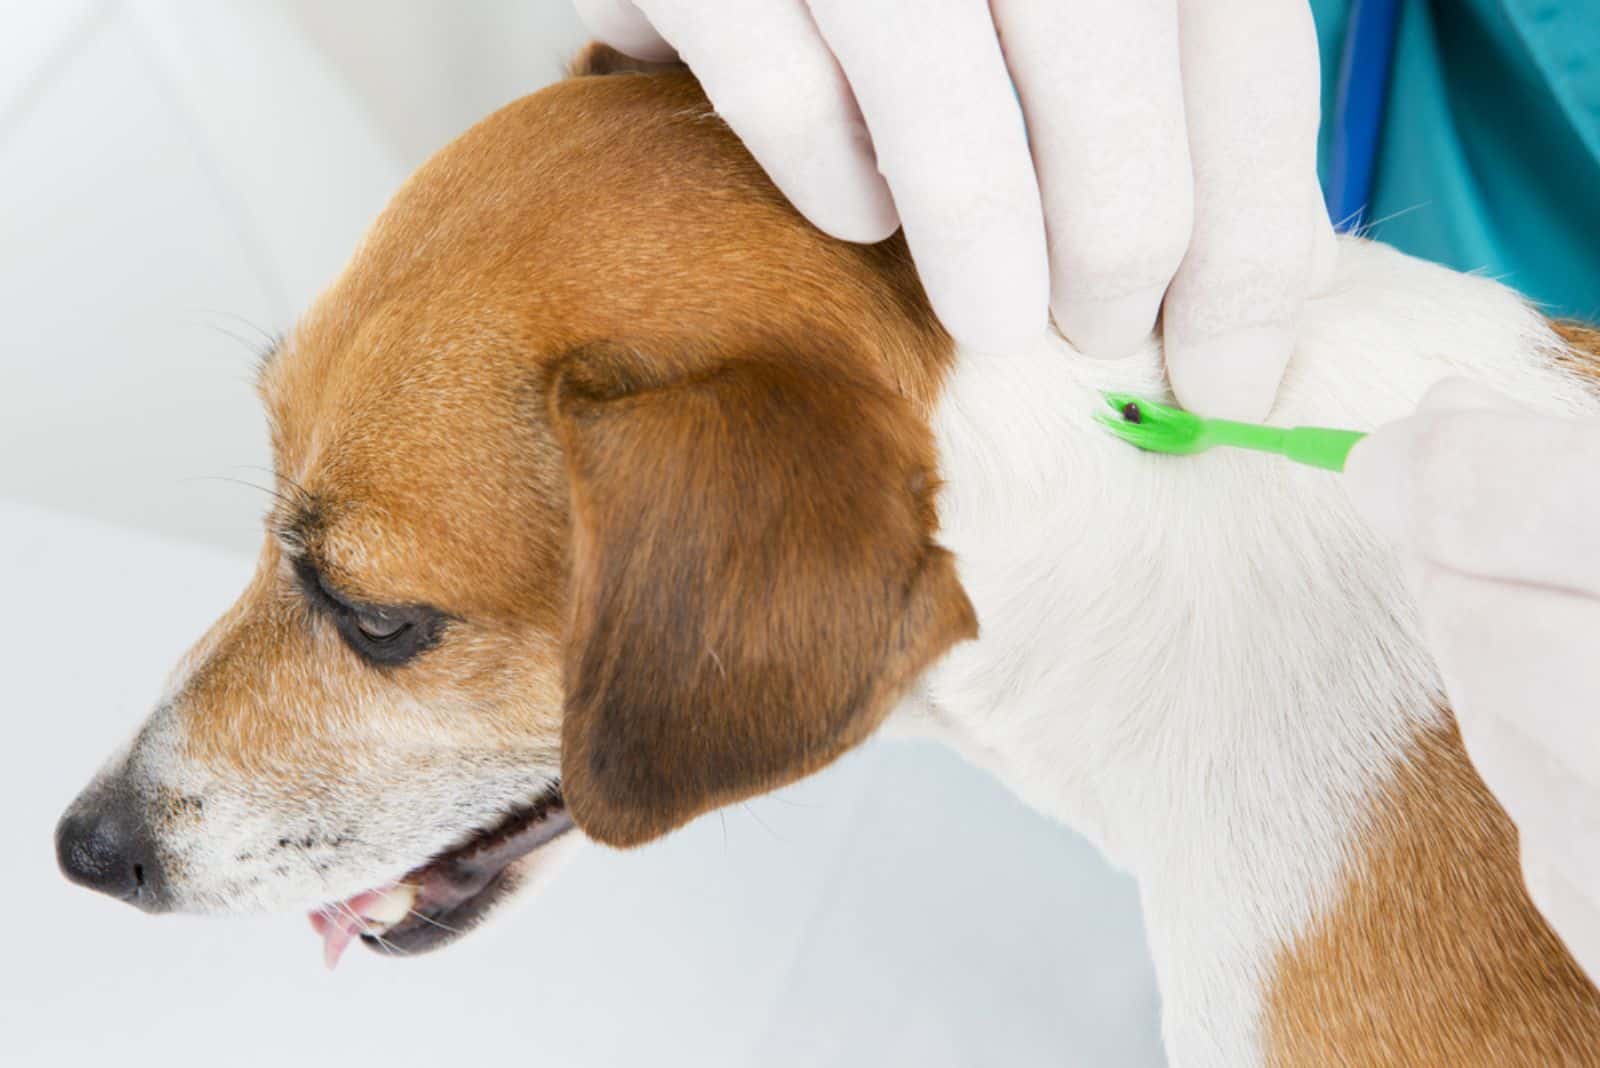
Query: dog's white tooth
[{"x": 392, "y": 906}]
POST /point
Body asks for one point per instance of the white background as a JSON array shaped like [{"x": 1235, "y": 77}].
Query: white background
[{"x": 175, "y": 173}]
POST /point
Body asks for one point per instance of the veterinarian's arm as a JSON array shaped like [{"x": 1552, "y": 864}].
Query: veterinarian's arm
[
  {"x": 1497, "y": 511},
  {"x": 1136, "y": 179}
]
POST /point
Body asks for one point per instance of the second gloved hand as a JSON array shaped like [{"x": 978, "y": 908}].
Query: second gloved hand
[
  {"x": 1496, "y": 511},
  {"x": 1168, "y": 155}
]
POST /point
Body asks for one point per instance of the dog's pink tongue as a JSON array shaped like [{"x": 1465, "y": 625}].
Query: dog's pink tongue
[{"x": 339, "y": 924}]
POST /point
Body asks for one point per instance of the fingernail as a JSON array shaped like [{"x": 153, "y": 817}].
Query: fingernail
[
  {"x": 1233, "y": 375},
  {"x": 1108, "y": 329}
]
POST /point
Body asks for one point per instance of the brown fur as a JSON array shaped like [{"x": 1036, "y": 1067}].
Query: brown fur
[
  {"x": 595, "y": 58},
  {"x": 1433, "y": 953},
  {"x": 684, "y": 482},
  {"x": 748, "y": 596},
  {"x": 1584, "y": 342}
]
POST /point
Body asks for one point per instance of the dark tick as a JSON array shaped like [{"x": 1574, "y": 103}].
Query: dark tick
[{"x": 1130, "y": 412}]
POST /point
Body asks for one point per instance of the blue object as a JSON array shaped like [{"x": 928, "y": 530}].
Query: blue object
[
  {"x": 1487, "y": 148},
  {"x": 1361, "y": 98}
]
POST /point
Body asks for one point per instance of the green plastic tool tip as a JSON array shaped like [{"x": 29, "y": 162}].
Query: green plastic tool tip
[{"x": 1161, "y": 428}]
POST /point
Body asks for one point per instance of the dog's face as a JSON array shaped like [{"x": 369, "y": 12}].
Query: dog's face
[{"x": 604, "y": 495}]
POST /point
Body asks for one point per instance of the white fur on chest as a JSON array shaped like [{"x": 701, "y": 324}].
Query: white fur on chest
[{"x": 1208, "y": 665}]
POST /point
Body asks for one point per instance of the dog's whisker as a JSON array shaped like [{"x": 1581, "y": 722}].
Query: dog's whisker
[
  {"x": 434, "y": 922},
  {"x": 279, "y": 495},
  {"x": 266, "y": 335},
  {"x": 386, "y": 945},
  {"x": 262, "y": 349},
  {"x": 360, "y": 920},
  {"x": 277, "y": 474},
  {"x": 763, "y": 823},
  {"x": 253, "y": 346},
  {"x": 343, "y": 907}
]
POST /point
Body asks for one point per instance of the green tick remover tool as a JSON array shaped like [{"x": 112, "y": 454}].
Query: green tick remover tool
[{"x": 1157, "y": 428}]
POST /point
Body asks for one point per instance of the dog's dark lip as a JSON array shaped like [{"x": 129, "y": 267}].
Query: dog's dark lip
[{"x": 457, "y": 888}]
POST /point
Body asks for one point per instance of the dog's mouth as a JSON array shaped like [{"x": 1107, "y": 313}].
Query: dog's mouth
[{"x": 437, "y": 902}]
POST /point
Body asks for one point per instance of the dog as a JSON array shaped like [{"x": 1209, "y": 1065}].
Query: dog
[{"x": 609, "y": 492}]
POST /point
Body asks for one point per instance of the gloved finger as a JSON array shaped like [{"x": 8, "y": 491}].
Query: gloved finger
[
  {"x": 1570, "y": 907},
  {"x": 1100, "y": 89},
  {"x": 1324, "y": 246},
  {"x": 768, "y": 73},
  {"x": 1553, "y": 807},
  {"x": 1378, "y": 472},
  {"x": 1250, "y": 81},
  {"x": 1457, "y": 394},
  {"x": 1488, "y": 493},
  {"x": 948, "y": 131},
  {"x": 624, "y": 27},
  {"x": 1516, "y": 657},
  {"x": 1530, "y": 729}
]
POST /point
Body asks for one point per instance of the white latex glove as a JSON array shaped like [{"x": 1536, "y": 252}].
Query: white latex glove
[
  {"x": 1498, "y": 510},
  {"x": 1169, "y": 154}
]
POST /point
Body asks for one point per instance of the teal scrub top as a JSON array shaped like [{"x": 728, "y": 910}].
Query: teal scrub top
[{"x": 1488, "y": 156}]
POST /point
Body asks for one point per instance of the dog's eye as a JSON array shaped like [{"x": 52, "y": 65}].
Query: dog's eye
[
  {"x": 390, "y": 635},
  {"x": 379, "y": 628},
  {"x": 384, "y": 634}
]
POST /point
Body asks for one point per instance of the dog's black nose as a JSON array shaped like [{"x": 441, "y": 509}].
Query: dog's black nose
[{"x": 107, "y": 850}]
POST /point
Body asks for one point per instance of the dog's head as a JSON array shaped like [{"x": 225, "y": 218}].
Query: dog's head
[{"x": 604, "y": 494}]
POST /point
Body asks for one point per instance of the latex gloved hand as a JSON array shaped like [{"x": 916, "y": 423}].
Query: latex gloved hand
[
  {"x": 1169, "y": 154},
  {"x": 1498, "y": 511}
]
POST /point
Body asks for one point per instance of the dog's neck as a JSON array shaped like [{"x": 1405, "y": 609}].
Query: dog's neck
[{"x": 1206, "y": 665}]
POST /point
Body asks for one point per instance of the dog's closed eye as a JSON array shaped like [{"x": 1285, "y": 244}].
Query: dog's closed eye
[
  {"x": 379, "y": 625},
  {"x": 387, "y": 635}
]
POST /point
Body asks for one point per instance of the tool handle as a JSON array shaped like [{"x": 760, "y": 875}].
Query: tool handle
[
  {"x": 1314, "y": 445},
  {"x": 1320, "y": 446},
  {"x": 1254, "y": 436}
]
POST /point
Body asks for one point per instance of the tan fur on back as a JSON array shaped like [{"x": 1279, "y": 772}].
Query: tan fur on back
[
  {"x": 1433, "y": 954},
  {"x": 1585, "y": 343}
]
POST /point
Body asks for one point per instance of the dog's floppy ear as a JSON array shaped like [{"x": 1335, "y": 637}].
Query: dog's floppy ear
[{"x": 754, "y": 580}]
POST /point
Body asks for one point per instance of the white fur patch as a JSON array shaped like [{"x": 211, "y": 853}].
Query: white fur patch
[
  {"x": 1208, "y": 665},
  {"x": 232, "y": 841}
]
